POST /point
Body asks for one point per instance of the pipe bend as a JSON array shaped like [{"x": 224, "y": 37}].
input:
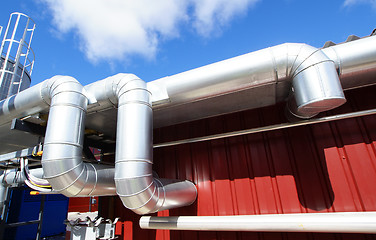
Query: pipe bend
[
  {"x": 315, "y": 83},
  {"x": 62, "y": 154},
  {"x": 135, "y": 184},
  {"x": 115, "y": 84}
]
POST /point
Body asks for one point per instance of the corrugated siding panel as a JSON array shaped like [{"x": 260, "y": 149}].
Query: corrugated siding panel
[
  {"x": 328, "y": 167},
  {"x": 82, "y": 204}
]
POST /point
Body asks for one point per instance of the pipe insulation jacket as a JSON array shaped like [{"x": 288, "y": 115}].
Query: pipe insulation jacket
[
  {"x": 62, "y": 154},
  {"x": 355, "y": 62},
  {"x": 307, "y": 70},
  {"x": 135, "y": 184},
  {"x": 313, "y": 77},
  {"x": 315, "y": 83}
]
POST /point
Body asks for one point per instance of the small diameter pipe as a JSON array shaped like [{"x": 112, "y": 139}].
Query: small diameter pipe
[
  {"x": 13, "y": 176},
  {"x": 348, "y": 222},
  {"x": 268, "y": 128}
]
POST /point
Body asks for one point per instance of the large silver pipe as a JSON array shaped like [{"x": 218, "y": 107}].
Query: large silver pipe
[
  {"x": 62, "y": 158},
  {"x": 265, "y": 77},
  {"x": 135, "y": 184},
  {"x": 62, "y": 153},
  {"x": 355, "y": 61},
  {"x": 312, "y": 75},
  {"x": 347, "y": 222},
  {"x": 27, "y": 102}
]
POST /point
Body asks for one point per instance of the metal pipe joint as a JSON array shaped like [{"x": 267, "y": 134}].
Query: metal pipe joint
[
  {"x": 62, "y": 155},
  {"x": 315, "y": 83},
  {"x": 135, "y": 184}
]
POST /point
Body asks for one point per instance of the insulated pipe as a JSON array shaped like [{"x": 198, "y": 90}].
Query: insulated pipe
[
  {"x": 347, "y": 222},
  {"x": 27, "y": 102},
  {"x": 312, "y": 75},
  {"x": 315, "y": 84},
  {"x": 62, "y": 156},
  {"x": 11, "y": 176},
  {"x": 63, "y": 163},
  {"x": 355, "y": 61},
  {"x": 62, "y": 152},
  {"x": 135, "y": 184},
  {"x": 264, "y": 77},
  {"x": 258, "y": 79}
]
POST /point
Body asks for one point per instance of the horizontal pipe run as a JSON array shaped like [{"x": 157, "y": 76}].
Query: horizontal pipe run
[
  {"x": 347, "y": 222},
  {"x": 257, "y": 79},
  {"x": 12, "y": 176},
  {"x": 264, "y": 77},
  {"x": 268, "y": 128}
]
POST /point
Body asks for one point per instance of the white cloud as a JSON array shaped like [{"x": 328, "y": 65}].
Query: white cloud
[
  {"x": 212, "y": 15},
  {"x": 117, "y": 29},
  {"x": 352, "y": 2}
]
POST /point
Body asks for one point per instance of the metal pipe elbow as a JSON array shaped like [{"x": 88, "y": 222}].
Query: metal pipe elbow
[
  {"x": 135, "y": 184},
  {"x": 315, "y": 83},
  {"x": 62, "y": 154}
]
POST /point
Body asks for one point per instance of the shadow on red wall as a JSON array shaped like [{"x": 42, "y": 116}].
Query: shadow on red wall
[{"x": 327, "y": 167}]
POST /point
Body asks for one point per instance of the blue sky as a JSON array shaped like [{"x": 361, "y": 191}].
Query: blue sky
[{"x": 93, "y": 39}]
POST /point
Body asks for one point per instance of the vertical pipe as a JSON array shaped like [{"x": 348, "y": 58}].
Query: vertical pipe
[
  {"x": 135, "y": 184},
  {"x": 62, "y": 154}
]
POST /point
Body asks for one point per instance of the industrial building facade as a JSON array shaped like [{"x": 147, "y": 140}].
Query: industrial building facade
[
  {"x": 280, "y": 140},
  {"x": 323, "y": 167}
]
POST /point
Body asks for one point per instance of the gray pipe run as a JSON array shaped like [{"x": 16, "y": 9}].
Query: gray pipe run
[
  {"x": 265, "y": 77},
  {"x": 62, "y": 154},
  {"x": 306, "y": 70},
  {"x": 355, "y": 62},
  {"x": 311, "y": 72}
]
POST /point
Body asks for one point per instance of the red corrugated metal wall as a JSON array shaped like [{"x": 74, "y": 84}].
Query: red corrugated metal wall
[
  {"x": 82, "y": 204},
  {"x": 327, "y": 167}
]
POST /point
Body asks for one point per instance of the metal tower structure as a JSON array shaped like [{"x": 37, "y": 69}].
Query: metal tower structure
[{"x": 17, "y": 57}]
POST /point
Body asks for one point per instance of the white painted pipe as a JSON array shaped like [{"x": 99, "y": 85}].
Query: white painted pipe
[{"x": 347, "y": 222}]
